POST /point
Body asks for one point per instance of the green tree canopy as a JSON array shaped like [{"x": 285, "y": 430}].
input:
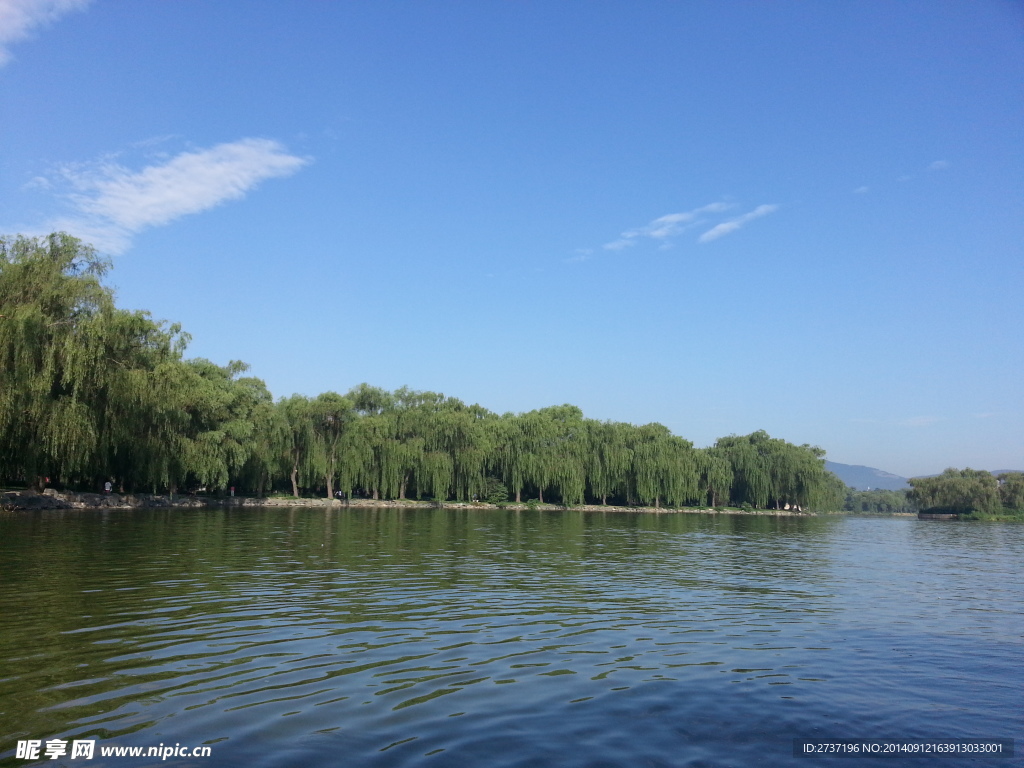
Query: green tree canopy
[
  {"x": 957, "y": 490},
  {"x": 90, "y": 392}
]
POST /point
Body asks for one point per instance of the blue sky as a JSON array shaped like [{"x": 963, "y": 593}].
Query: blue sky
[{"x": 723, "y": 216}]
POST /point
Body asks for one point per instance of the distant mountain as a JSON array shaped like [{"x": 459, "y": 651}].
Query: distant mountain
[
  {"x": 865, "y": 478},
  {"x": 869, "y": 478}
]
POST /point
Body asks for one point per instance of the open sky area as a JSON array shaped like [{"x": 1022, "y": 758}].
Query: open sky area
[{"x": 800, "y": 217}]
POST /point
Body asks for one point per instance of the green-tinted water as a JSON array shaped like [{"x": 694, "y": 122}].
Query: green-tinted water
[{"x": 456, "y": 637}]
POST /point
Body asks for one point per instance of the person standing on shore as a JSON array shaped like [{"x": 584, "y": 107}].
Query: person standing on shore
[{"x": 107, "y": 486}]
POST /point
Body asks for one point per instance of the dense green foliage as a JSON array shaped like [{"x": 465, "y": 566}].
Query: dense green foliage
[
  {"x": 879, "y": 500},
  {"x": 971, "y": 492},
  {"x": 90, "y": 393}
]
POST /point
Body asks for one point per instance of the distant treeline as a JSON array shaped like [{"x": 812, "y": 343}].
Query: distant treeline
[
  {"x": 91, "y": 393},
  {"x": 970, "y": 492},
  {"x": 879, "y": 500}
]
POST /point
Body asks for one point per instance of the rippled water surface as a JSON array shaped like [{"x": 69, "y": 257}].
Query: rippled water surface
[{"x": 317, "y": 637}]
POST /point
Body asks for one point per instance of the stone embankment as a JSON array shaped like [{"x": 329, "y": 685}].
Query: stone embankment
[{"x": 52, "y": 499}]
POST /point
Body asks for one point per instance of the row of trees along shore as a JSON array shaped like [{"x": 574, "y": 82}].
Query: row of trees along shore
[
  {"x": 879, "y": 500},
  {"x": 90, "y": 393},
  {"x": 970, "y": 492}
]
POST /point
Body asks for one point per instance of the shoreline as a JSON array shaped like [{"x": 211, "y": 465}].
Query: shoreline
[{"x": 51, "y": 499}]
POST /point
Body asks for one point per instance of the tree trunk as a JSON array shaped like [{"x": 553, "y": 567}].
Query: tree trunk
[
  {"x": 540, "y": 495},
  {"x": 295, "y": 481},
  {"x": 401, "y": 488},
  {"x": 519, "y": 499},
  {"x": 330, "y": 479},
  {"x": 375, "y": 494},
  {"x": 657, "y": 502},
  {"x": 604, "y": 499}
]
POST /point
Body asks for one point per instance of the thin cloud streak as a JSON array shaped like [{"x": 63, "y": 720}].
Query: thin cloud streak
[
  {"x": 19, "y": 17},
  {"x": 113, "y": 203},
  {"x": 665, "y": 227},
  {"x": 728, "y": 227}
]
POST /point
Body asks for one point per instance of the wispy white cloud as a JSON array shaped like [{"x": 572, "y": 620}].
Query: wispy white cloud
[
  {"x": 728, "y": 227},
  {"x": 19, "y": 17},
  {"x": 666, "y": 227},
  {"x": 939, "y": 165},
  {"x": 861, "y": 190},
  {"x": 112, "y": 203}
]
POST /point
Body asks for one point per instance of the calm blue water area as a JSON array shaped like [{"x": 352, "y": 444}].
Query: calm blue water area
[{"x": 425, "y": 637}]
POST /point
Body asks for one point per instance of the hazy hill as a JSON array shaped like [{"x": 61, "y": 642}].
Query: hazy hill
[{"x": 863, "y": 478}]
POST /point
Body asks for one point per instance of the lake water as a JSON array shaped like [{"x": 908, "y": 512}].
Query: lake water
[{"x": 388, "y": 637}]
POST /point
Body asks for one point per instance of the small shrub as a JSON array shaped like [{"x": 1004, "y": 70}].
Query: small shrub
[{"x": 495, "y": 491}]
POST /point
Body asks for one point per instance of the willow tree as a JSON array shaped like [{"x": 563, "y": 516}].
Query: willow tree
[
  {"x": 553, "y": 447},
  {"x": 460, "y": 432},
  {"x": 211, "y": 433},
  {"x": 75, "y": 372},
  {"x": 540, "y": 432},
  {"x": 957, "y": 490},
  {"x": 795, "y": 472},
  {"x": 747, "y": 457},
  {"x": 664, "y": 467},
  {"x": 270, "y": 436},
  {"x": 1011, "y": 490},
  {"x": 132, "y": 354},
  {"x": 828, "y": 492},
  {"x": 609, "y": 458},
  {"x": 300, "y": 450},
  {"x": 476, "y": 460},
  {"x": 49, "y": 291},
  {"x": 406, "y": 434},
  {"x": 772, "y": 472},
  {"x": 716, "y": 475},
  {"x": 568, "y": 453},
  {"x": 361, "y": 447},
  {"x": 510, "y": 452},
  {"x": 332, "y": 418},
  {"x": 682, "y": 479}
]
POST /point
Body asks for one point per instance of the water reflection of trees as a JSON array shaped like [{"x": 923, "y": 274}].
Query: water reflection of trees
[{"x": 126, "y": 598}]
